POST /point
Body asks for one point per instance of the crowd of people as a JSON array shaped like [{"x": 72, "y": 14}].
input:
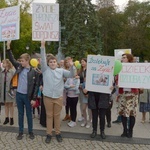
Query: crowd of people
[{"x": 53, "y": 85}]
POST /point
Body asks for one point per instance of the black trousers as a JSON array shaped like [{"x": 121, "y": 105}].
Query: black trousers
[
  {"x": 98, "y": 113},
  {"x": 67, "y": 107},
  {"x": 72, "y": 103},
  {"x": 108, "y": 113}
]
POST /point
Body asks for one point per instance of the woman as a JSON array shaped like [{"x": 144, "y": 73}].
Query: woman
[
  {"x": 82, "y": 96},
  {"x": 7, "y": 94},
  {"x": 128, "y": 99},
  {"x": 144, "y": 103}
]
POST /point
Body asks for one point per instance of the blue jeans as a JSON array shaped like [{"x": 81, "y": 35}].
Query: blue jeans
[{"x": 22, "y": 100}]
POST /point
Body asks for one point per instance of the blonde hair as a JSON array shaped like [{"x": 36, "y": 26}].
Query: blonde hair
[
  {"x": 9, "y": 64},
  {"x": 25, "y": 56}
]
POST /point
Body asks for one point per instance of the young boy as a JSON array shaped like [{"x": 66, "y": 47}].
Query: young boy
[
  {"x": 53, "y": 86},
  {"x": 27, "y": 90}
]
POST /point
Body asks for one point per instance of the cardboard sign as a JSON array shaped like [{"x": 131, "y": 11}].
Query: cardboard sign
[
  {"x": 135, "y": 75},
  {"x": 45, "y": 22},
  {"x": 99, "y": 75},
  {"x": 118, "y": 53},
  {"x": 10, "y": 23}
]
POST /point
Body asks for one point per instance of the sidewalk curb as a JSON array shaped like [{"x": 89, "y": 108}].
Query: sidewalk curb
[{"x": 83, "y": 136}]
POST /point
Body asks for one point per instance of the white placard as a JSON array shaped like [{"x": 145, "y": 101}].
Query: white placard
[
  {"x": 118, "y": 53},
  {"x": 10, "y": 23},
  {"x": 135, "y": 75},
  {"x": 99, "y": 75},
  {"x": 45, "y": 22}
]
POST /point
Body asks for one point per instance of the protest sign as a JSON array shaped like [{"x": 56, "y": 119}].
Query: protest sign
[
  {"x": 99, "y": 74},
  {"x": 135, "y": 75},
  {"x": 9, "y": 23},
  {"x": 118, "y": 53},
  {"x": 45, "y": 22}
]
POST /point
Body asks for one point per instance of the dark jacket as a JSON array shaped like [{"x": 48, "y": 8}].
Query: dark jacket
[
  {"x": 98, "y": 100},
  {"x": 32, "y": 77}
]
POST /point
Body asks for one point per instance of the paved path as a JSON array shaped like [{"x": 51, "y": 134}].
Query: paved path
[{"x": 77, "y": 137}]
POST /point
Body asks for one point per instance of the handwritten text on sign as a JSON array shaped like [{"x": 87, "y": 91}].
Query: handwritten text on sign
[
  {"x": 99, "y": 73},
  {"x": 135, "y": 75},
  {"x": 45, "y": 22},
  {"x": 9, "y": 23}
]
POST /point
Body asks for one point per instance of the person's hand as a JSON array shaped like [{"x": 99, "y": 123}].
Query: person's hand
[
  {"x": 111, "y": 88},
  {"x": 70, "y": 62},
  {"x": 85, "y": 91},
  {"x": 41, "y": 88},
  {"x": 43, "y": 44},
  {"x": 33, "y": 103},
  {"x": 8, "y": 44},
  {"x": 72, "y": 86}
]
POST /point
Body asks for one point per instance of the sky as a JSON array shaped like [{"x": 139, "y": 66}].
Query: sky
[{"x": 120, "y": 3}]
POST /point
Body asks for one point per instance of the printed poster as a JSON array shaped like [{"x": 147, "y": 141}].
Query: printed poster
[
  {"x": 99, "y": 75},
  {"x": 45, "y": 22},
  {"x": 135, "y": 75},
  {"x": 10, "y": 23}
]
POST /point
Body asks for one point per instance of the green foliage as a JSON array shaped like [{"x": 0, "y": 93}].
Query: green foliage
[{"x": 79, "y": 18}]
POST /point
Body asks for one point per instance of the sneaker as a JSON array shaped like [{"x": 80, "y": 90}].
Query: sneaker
[
  {"x": 72, "y": 124},
  {"x": 81, "y": 119},
  {"x": 88, "y": 126},
  {"x": 116, "y": 121},
  {"x": 48, "y": 139},
  {"x": 69, "y": 122},
  {"x": 20, "y": 136},
  {"x": 58, "y": 137},
  {"x": 83, "y": 124},
  {"x": 31, "y": 135}
]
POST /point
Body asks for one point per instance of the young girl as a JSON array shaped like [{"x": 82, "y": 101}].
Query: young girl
[
  {"x": 7, "y": 96},
  {"x": 72, "y": 88},
  {"x": 83, "y": 97}
]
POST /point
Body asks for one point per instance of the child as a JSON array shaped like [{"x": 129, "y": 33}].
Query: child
[
  {"x": 72, "y": 87},
  {"x": 53, "y": 86},
  {"x": 26, "y": 90}
]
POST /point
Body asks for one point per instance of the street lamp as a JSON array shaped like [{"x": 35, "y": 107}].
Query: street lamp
[{"x": 60, "y": 55}]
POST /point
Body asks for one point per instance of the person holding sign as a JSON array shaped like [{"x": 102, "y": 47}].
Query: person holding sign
[
  {"x": 27, "y": 90},
  {"x": 98, "y": 103},
  {"x": 128, "y": 99},
  {"x": 53, "y": 86}
]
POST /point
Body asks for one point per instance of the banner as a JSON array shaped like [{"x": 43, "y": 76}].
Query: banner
[
  {"x": 135, "y": 75},
  {"x": 10, "y": 23},
  {"x": 45, "y": 22},
  {"x": 99, "y": 74}
]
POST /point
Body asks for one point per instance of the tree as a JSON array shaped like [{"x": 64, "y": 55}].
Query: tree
[
  {"x": 79, "y": 19},
  {"x": 109, "y": 27},
  {"x": 136, "y": 29}
]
